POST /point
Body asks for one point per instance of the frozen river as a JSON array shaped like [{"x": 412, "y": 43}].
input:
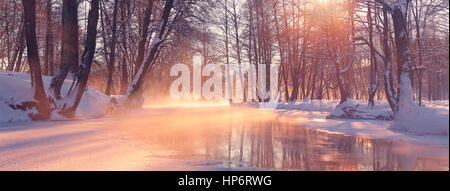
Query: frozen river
[{"x": 203, "y": 138}]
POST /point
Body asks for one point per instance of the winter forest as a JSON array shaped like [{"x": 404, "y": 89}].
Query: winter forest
[{"x": 375, "y": 67}]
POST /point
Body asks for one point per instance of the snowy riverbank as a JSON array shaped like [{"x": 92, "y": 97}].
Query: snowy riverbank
[
  {"x": 432, "y": 123},
  {"x": 434, "y": 117},
  {"x": 16, "y": 88}
]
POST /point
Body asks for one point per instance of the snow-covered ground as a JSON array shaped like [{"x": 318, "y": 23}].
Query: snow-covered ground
[
  {"x": 365, "y": 128},
  {"x": 76, "y": 145},
  {"x": 434, "y": 117},
  {"x": 16, "y": 88}
]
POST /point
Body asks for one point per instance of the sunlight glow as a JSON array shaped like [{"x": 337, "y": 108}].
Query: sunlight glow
[
  {"x": 189, "y": 104},
  {"x": 322, "y": 1}
]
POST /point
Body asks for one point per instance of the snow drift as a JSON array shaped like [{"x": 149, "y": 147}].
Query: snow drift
[
  {"x": 16, "y": 88},
  {"x": 428, "y": 120}
]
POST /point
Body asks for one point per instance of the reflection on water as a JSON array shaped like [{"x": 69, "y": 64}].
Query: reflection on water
[{"x": 244, "y": 138}]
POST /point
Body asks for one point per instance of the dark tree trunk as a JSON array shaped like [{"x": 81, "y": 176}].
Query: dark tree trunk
[
  {"x": 19, "y": 48},
  {"x": 420, "y": 49},
  {"x": 308, "y": 85},
  {"x": 124, "y": 68},
  {"x": 295, "y": 88},
  {"x": 320, "y": 90},
  {"x": 82, "y": 77},
  {"x": 48, "y": 67},
  {"x": 313, "y": 83},
  {"x": 144, "y": 34},
  {"x": 112, "y": 55},
  {"x": 238, "y": 47},
  {"x": 388, "y": 83},
  {"x": 7, "y": 35},
  {"x": 69, "y": 47},
  {"x": 373, "y": 61},
  {"x": 430, "y": 84},
  {"x": 18, "y": 63},
  {"x": 42, "y": 105}
]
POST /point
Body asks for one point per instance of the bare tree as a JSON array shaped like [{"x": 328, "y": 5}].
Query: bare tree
[
  {"x": 42, "y": 104},
  {"x": 144, "y": 34},
  {"x": 82, "y": 75},
  {"x": 49, "y": 66},
  {"x": 69, "y": 47},
  {"x": 134, "y": 98},
  {"x": 112, "y": 54}
]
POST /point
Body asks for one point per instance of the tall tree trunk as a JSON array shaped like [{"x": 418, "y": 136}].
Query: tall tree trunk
[
  {"x": 419, "y": 46},
  {"x": 373, "y": 60},
  {"x": 320, "y": 90},
  {"x": 124, "y": 68},
  {"x": 230, "y": 100},
  {"x": 280, "y": 49},
  {"x": 313, "y": 83},
  {"x": 388, "y": 83},
  {"x": 238, "y": 47},
  {"x": 251, "y": 37},
  {"x": 20, "y": 38},
  {"x": 42, "y": 105},
  {"x": 144, "y": 34},
  {"x": 69, "y": 47},
  {"x": 405, "y": 95},
  {"x": 82, "y": 77},
  {"x": 337, "y": 61},
  {"x": 21, "y": 48},
  {"x": 112, "y": 55},
  {"x": 294, "y": 78},
  {"x": 49, "y": 67},
  {"x": 7, "y": 32}
]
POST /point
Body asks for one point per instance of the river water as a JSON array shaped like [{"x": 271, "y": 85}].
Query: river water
[
  {"x": 204, "y": 138},
  {"x": 229, "y": 138}
]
